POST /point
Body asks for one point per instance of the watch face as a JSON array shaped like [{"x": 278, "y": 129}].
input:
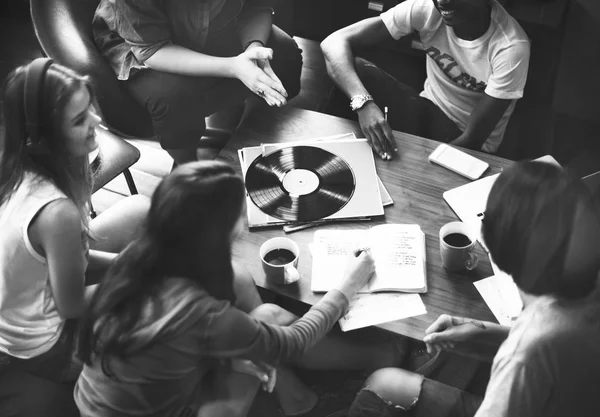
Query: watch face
[{"x": 357, "y": 102}]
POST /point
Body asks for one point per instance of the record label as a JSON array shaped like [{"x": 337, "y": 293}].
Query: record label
[{"x": 300, "y": 183}]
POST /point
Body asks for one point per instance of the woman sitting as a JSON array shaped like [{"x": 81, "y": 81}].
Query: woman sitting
[
  {"x": 542, "y": 227},
  {"x": 173, "y": 311},
  {"x": 48, "y": 243}
]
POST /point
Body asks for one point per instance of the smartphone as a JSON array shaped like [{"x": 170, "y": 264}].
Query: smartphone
[{"x": 458, "y": 161}]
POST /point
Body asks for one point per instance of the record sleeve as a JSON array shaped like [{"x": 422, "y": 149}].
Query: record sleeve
[{"x": 364, "y": 202}]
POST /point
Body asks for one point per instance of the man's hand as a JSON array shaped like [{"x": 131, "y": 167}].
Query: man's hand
[
  {"x": 252, "y": 67},
  {"x": 377, "y": 130},
  {"x": 267, "y": 374},
  {"x": 448, "y": 330}
]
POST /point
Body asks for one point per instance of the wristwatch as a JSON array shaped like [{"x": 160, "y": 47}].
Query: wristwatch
[{"x": 359, "y": 100}]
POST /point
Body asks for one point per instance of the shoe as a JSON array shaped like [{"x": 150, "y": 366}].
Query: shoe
[{"x": 421, "y": 362}]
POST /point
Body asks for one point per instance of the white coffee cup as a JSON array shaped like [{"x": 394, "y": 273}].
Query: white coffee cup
[
  {"x": 458, "y": 255},
  {"x": 279, "y": 257}
]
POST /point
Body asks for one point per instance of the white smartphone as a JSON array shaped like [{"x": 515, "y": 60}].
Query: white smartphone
[{"x": 458, "y": 161}]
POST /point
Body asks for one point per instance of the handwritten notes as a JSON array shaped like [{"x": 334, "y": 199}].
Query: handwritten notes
[{"x": 398, "y": 251}]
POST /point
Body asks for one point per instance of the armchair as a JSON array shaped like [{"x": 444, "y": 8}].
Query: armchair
[{"x": 64, "y": 32}]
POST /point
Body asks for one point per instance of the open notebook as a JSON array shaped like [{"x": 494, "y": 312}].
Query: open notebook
[{"x": 398, "y": 251}]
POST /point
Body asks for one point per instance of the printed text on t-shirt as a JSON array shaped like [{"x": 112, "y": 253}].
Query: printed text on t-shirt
[{"x": 450, "y": 67}]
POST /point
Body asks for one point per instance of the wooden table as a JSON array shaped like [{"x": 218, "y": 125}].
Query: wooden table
[{"x": 416, "y": 187}]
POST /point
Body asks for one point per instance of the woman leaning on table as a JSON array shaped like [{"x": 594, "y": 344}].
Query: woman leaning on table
[
  {"x": 175, "y": 317},
  {"x": 185, "y": 60},
  {"x": 542, "y": 227}
]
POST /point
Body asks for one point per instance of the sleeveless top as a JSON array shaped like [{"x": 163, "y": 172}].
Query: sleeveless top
[{"x": 29, "y": 321}]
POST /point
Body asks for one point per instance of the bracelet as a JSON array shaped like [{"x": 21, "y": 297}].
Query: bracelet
[{"x": 252, "y": 41}]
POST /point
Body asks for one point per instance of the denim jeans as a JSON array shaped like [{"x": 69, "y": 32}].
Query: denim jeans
[
  {"x": 51, "y": 365},
  {"x": 407, "y": 111},
  {"x": 435, "y": 400},
  {"x": 178, "y": 104}
]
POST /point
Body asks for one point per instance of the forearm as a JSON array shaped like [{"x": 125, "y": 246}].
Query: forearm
[
  {"x": 90, "y": 290},
  {"x": 482, "y": 122},
  {"x": 255, "y": 25},
  {"x": 486, "y": 344},
  {"x": 260, "y": 339},
  {"x": 304, "y": 333},
  {"x": 339, "y": 61},
  {"x": 469, "y": 140},
  {"x": 100, "y": 260},
  {"x": 98, "y": 264},
  {"x": 179, "y": 60}
]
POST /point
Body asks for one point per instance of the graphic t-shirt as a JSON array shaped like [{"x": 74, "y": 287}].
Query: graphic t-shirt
[{"x": 459, "y": 72}]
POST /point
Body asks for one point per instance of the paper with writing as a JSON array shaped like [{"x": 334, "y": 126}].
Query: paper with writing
[
  {"x": 370, "y": 309},
  {"x": 398, "y": 251}
]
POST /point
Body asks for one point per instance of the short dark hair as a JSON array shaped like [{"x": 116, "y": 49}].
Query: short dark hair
[{"x": 528, "y": 224}]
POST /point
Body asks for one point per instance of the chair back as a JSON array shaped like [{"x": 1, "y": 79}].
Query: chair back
[{"x": 64, "y": 31}]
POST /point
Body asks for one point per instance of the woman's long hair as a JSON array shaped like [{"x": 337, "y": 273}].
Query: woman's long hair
[
  {"x": 50, "y": 159},
  {"x": 528, "y": 226},
  {"x": 187, "y": 234}
]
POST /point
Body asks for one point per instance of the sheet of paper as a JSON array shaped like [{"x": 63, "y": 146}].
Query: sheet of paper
[
  {"x": 370, "y": 309},
  {"x": 501, "y": 295},
  {"x": 386, "y": 198}
]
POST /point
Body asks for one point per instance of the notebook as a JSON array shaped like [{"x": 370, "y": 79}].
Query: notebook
[{"x": 397, "y": 249}]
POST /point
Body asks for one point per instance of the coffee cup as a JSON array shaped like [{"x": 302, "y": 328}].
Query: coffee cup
[
  {"x": 457, "y": 247},
  {"x": 279, "y": 257}
]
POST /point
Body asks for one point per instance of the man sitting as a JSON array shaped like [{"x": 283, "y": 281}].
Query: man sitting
[{"x": 477, "y": 62}]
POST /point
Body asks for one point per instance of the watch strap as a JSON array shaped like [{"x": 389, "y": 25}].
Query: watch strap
[{"x": 359, "y": 100}]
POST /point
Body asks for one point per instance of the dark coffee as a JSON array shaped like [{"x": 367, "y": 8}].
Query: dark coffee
[
  {"x": 457, "y": 240},
  {"x": 279, "y": 257}
]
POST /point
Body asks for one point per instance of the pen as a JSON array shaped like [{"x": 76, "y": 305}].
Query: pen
[
  {"x": 385, "y": 115},
  {"x": 358, "y": 251}
]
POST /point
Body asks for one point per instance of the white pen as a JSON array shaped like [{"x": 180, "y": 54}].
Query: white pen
[{"x": 385, "y": 114}]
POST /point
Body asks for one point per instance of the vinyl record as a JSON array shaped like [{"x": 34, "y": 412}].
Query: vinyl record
[{"x": 300, "y": 183}]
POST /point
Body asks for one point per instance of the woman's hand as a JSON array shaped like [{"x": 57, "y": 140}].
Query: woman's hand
[
  {"x": 359, "y": 270},
  {"x": 252, "y": 67},
  {"x": 377, "y": 130},
  {"x": 267, "y": 374},
  {"x": 448, "y": 330}
]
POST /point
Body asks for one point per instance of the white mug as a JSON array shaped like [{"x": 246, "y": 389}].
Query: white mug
[
  {"x": 279, "y": 257},
  {"x": 460, "y": 256}
]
